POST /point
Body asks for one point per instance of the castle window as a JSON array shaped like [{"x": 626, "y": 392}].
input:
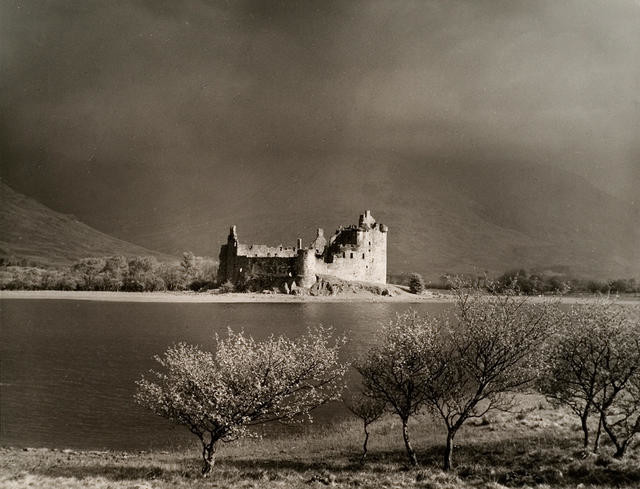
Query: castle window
[
  {"x": 344, "y": 254},
  {"x": 351, "y": 255},
  {"x": 363, "y": 256},
  {"x": 369, "y": 243}
]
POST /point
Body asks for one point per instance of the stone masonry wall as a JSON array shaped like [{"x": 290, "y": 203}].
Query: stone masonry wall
[{"x": 356, "y": 253}]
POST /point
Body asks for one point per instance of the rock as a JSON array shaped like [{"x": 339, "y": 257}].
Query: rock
[{"x": 326, "y": 479}]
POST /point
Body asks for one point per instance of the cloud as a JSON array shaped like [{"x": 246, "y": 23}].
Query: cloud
[{"x": 107, "y": 104}]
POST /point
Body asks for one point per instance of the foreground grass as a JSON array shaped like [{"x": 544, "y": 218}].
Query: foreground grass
[{"x": 537, "y": 448}]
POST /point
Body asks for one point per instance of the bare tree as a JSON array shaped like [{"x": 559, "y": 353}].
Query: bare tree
[
  {"x": 368, "y": 409},
  {"x": 489, "y": 352},
  {"x": 396, "y": 370},
  {"x": 220, "y": 396}
]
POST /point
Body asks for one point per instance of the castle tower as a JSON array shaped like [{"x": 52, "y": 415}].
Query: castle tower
[
  {"x": 320, "y": 242},
  {"x": 366, "y": 219},
  {"x": 305, "y": 268},
  {"x": 227, "y": 258}
]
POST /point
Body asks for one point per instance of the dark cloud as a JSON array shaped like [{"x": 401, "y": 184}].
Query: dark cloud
[{"x": 130, "y": 113}]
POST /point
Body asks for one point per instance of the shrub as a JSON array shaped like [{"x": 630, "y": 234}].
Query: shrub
[
  {"x": 416, "y": 283},
  {"x": 227, "y": 288}
]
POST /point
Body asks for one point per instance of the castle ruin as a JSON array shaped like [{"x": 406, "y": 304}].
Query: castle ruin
[{"x": 354, "y": 253}]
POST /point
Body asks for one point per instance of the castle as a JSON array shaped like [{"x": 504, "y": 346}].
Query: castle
[{"x": 355, "y": 252}]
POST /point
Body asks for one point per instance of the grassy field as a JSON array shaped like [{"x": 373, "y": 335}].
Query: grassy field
[{"x": 539, "y": 447}]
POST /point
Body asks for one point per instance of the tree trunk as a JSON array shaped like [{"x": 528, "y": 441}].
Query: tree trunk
[
  {"x": 620, "y": 449},
  {"x": 448, "y": 451},
  {"x": 364, "y": 445},
  {"x": 596, "y": 443},
  {"x": 407, "y": 443},
  {"x": 208, "y": 454},
  {"x": 585, "y": 428}
]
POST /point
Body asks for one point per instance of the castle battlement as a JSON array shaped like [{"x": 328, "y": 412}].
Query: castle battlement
[{"x": 355, "y": 252}]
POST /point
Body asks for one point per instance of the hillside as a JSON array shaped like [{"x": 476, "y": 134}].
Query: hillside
[
  {"x": 443, "y": 217},
  {"x": 41, "y": 235}
]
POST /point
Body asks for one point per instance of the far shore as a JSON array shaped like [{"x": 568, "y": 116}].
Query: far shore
[
  {"x": 207, "y": 297},
  {"x": 203, "y": 297}
]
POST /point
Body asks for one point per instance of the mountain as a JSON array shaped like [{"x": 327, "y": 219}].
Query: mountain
[
  {"x": 41, "y": 235},
  {"x": 444, "y": 216},
  {"x": 449, "y": 216}
]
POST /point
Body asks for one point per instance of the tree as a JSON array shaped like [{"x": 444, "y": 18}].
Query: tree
[
  {"x": 172, "y": 275},
  {"x": 592, "y": 365},
  {"x": 368, "y": 409},
  {"x": 416, "y": 283},
  {"x": 618, "y": 399},
  {"x": 395, "y": 370},
  {"x": 490, "y": 351},
  {"x": 206, "y": 270},
  {"x": 141, "y": 275},
  {"x": 220, "y": 396},
  {"x": 113, "y": 273},
  {"x": 88, "y": 271},
  {"x": 571, "y": 377},
  {"x": 188, "y": 264}
]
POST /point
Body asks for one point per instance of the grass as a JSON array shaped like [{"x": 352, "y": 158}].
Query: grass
[{"x": 539, "y": 447}]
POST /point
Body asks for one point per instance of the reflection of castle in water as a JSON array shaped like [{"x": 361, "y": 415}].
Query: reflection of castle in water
[{"x": 352, "y": 253}]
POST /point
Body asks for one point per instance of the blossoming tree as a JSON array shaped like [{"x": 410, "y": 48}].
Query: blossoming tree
[{"x": 219, "y": 396}]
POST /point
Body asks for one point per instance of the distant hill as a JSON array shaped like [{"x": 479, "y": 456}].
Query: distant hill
[
  {"x": 443, "y": 217},
  {"x": 32, "y": 231}
]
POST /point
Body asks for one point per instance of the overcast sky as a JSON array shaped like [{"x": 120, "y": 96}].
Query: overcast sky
[{"x": 107, "y": 107}]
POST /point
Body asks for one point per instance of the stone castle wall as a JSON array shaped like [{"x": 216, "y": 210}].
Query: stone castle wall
[{"x": 357, "y": 252}]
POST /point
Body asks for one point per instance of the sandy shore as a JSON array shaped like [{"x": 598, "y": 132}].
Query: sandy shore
[
  {"x": 205, "y": 297},
  {"x": 209, "y": 297}
]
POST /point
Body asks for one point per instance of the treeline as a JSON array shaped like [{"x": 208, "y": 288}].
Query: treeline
[
  {"x": 115, "y": 273},
  {"x": 525, "y": 282},
  {"x": 451, "y": 368},
  {"x": 533, "y": 283}
]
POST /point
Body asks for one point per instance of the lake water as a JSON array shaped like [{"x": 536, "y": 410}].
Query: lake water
[{"x": 67, "y": 368}]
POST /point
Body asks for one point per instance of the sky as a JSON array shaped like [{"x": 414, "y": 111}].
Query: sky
[{"x": 139, "y": 114}]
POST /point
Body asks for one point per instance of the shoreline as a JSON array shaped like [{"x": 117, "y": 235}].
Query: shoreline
[{"x": 204, "y": 297}]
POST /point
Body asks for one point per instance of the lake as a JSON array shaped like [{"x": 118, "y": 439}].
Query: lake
[{"x": 67, "y": 368}]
